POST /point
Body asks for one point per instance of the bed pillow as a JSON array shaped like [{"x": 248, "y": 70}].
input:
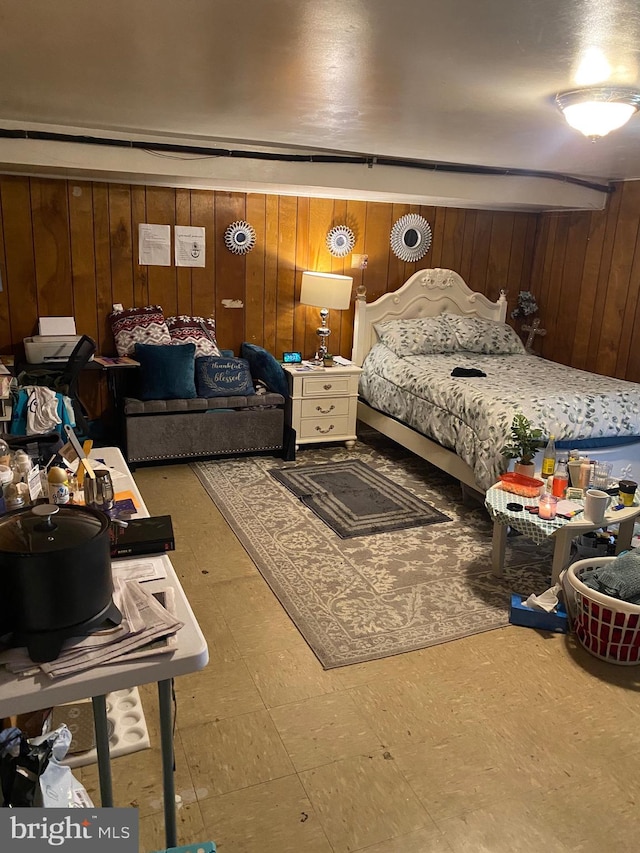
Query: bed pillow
[
  {"x": 475, "y": 334},
  {"x": 166, "y": 371},
  {"x": 131, "y": 326},
  {"x": 200, "y": 331},
  {"x": 217, "y": 376},
  {"x": 418, "y": 336},
  {"x": 266, "y": 367}
]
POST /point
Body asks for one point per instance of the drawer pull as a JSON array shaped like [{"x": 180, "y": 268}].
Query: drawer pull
[
  {"x": 327, "y": 387},
  {"x": 324, "y": 431},
  {"x": 325, "y": 411}
]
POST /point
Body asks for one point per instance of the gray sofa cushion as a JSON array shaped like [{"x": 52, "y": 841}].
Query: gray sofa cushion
[{"x": 133, "y": 406}]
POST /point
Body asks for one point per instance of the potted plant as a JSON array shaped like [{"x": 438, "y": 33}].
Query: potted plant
[{"x": 525, "y": 442}]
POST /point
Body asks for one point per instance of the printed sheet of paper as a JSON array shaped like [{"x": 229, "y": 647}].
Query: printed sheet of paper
[
  {"x": 189, "y": 248},
  {"x": 154, "y": 245}
]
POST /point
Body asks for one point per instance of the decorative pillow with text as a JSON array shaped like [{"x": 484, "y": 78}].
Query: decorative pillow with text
[{"x": 217, "y": 376}]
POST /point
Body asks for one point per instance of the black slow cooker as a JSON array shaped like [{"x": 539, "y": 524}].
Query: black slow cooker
[{"x": 55, "y": 576}]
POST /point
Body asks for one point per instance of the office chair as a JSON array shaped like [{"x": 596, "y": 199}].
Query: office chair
[{"x": 64, "y": 379}]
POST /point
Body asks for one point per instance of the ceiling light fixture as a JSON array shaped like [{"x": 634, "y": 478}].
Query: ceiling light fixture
[{"x": 598, "y": 110}]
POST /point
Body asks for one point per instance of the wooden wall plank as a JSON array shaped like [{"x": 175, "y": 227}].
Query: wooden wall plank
[
  {"x": 229, "y": 271},
  {"x": 19, "y": 261},
  {"x": 203, "y": 294},
  {"x": 613, "y": 212},
  {"x": 183, "y": 274},
  {"x": 499, "y": 256},
  {"x": 5, "y": 314},
  {"x": 163, "y": 290},
  {"x": 50, "y": 217},
  {"x": 270, "y": 273},
  {"x": 622, "y": 290},
  {"x": 255, "y": 271},
  {"x": 285, "y": 302},
  {"x": 302, "y": 264},
  {"x": 121, "y": 246}
]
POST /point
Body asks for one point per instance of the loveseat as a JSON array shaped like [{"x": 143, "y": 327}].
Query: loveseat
[{"x": 192, "y": 400}]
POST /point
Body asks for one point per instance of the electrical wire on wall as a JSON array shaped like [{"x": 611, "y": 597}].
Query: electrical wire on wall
[{"x": 204, "y": 152}]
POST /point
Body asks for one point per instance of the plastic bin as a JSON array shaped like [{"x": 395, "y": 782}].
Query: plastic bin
[
  {"x": 198, "y": 847},
  {"x": 607, "y": 627}
]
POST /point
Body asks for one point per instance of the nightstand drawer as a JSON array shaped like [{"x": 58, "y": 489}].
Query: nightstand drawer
[
  {"x": 323, "y": 386},
  {"x": 332, "y": 406},
  {"x": 324, "y": 427}
]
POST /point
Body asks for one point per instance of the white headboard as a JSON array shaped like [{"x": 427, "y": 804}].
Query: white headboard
[{"x": 426, "y": 293}]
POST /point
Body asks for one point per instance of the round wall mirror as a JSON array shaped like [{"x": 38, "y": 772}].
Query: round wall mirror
[
  {"x": 340, "y": 241},
  {"x": 240, "y": 238},
  {"x": 411, "y": 237}
]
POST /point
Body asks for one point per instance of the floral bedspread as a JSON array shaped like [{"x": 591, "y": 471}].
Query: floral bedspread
[{"x": 472, "y": 415}]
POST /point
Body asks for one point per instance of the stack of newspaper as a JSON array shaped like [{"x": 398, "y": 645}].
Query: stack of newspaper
[{"x": 148, "y": 627}]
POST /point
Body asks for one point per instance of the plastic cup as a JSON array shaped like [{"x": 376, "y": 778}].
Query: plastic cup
[{"x": 602, "y": 474}]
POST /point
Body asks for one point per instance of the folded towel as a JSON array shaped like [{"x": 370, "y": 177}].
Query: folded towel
[
  {"x": 467, "y": 371},
  {"x": 620, "y": 578}
]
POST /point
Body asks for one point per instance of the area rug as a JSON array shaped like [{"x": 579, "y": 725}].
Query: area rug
[
  {"x": 355, "y": 499},
  {"x": 368, "y": 597}
]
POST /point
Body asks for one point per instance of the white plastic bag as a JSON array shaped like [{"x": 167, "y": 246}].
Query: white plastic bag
[{"x": 58, "y": 786}]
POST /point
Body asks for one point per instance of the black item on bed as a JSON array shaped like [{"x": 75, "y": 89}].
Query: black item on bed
[{"x": 467, "y": 371}]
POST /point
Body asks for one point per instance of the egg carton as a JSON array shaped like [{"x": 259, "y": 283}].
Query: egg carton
[{"x": 125, "y": 723}]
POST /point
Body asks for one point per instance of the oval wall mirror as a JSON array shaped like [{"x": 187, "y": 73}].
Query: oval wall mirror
[{"x": 411, "y": 237}]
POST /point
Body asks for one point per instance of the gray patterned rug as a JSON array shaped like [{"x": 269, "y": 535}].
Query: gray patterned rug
[
  {"x": 369, "y": 597},
  {"x": 355, "y": 499}
]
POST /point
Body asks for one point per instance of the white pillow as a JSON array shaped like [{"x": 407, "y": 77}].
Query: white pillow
[
  {"x": 418, "y": 336},
  {"x": 474, "y": 334}
]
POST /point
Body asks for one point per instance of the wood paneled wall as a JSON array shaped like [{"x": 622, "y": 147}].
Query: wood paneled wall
[
  {"x": 71, "y": 248},
  {"x": 586, "y": 279}
]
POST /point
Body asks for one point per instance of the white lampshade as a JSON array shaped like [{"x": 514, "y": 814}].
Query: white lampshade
[
  {"x": 597, "y": 111},
  {"x": 326, "y": 290}
]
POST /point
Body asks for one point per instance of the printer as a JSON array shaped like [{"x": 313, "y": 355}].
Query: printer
[{"x": 55, "y": 342}]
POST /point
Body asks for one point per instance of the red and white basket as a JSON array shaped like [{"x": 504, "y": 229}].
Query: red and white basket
[{"x": 607, "y": 627}]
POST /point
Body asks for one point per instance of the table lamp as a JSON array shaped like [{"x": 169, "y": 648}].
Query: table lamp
[{"x": 325, "y": 290}]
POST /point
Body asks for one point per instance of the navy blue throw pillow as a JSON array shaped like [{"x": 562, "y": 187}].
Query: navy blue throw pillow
[
  {"x": 217, "y": 376},
  {"x": 265, "y": 367},
  {"x": 166, "y": 371}
]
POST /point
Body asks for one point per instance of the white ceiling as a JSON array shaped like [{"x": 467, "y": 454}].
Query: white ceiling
[{"x": 453, "y": 81}]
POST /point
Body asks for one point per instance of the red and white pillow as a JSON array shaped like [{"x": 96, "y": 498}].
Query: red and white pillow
[
  {"x": 133, "y": 326},
  {"x": 200, "y": 331}
]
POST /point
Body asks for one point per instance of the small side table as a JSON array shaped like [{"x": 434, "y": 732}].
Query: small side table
[
  {"x": 323, "y": 403},
  {"x": 562, "y": 531}
]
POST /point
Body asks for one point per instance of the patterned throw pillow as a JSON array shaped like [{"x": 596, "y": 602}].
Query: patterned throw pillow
[
  {"x": 217, "y": 376},
  {"x": 194, "y": 330},
  {"x": 417, "y": 336},
  {"x": 133, "y": 326},
  {"x": 475, "y": 334}
]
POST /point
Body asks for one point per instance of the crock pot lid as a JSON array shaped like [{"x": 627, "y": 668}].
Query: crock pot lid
[{"x": 48, "y": 527}]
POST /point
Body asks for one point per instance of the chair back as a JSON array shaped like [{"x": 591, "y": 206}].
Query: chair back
[{"x": 78, "y": 358}]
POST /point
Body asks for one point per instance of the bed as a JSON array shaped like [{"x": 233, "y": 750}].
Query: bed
[{"x": 410, "y": 341}]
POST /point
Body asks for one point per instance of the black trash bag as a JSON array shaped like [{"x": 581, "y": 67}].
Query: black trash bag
[{"x": 22, "y": 762}]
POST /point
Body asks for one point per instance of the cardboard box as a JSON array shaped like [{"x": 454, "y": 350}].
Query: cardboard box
[{"x": 530, "y": 618}]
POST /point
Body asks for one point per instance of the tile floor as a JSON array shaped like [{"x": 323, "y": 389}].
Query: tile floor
[{"x": 506, "y": 742}]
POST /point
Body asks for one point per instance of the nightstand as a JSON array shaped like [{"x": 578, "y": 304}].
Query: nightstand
[{"x": 323, "y": 403}]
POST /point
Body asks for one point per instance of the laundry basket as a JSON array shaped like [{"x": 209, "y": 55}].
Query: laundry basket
[{"x": 607, "y": 627}]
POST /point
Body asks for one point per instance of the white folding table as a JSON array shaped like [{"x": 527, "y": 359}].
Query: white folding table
[{"x": 19, "y": 695}]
